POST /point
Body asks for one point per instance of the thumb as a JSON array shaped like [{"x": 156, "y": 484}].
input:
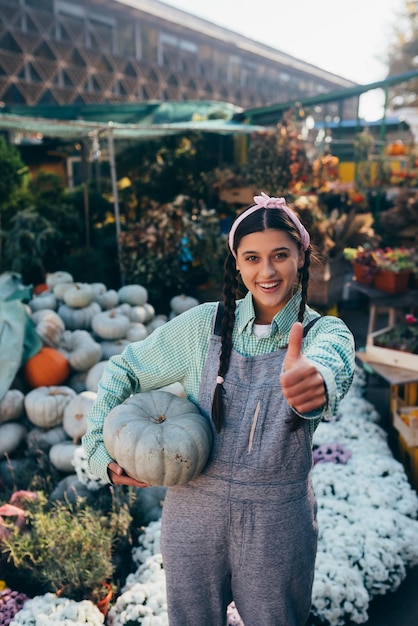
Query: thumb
[{"x": 294, "y": 347}]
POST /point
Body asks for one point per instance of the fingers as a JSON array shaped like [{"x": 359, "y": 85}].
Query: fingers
[
  {"x": 118, "y": 476},
  {"x": 304, "y": 394},
  {"x": 294, "y": 348},
  {"x": 115, "y": 468}
]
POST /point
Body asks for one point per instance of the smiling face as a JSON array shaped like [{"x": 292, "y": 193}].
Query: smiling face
[{"x": 269, "y": 262}]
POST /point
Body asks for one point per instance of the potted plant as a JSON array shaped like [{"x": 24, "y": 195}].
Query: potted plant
[
  {"x": 364, "y": 263},
  {"x": 387, "y": 269},
  {"x": 395, "y": 268},
  {"x": 403, "y": 336}
]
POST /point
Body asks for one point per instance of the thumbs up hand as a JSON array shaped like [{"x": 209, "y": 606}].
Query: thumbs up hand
[{"x": 302, "y": 384}]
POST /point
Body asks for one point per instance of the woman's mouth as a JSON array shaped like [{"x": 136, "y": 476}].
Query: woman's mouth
[{"x": 269, "y": 286}]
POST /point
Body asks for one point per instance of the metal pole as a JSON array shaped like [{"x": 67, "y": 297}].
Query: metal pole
[{"x": 115, "y": 195}]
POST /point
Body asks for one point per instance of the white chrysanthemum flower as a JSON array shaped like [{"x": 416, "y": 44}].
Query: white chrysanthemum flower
[
  {"x": 85, "y": 477},
  {"x": 50, "y": 610}
]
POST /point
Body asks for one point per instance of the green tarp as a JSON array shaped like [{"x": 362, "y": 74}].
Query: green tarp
[{"x": 18, "y": 338}]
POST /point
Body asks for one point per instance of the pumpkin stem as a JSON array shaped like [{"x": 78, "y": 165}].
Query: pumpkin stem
[{"x": 160, "y": 419}]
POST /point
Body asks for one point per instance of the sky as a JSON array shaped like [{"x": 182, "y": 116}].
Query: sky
[{"x": 350, "y": 38}]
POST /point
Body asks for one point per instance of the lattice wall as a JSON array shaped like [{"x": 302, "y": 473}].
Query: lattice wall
[{"x": 47, "y": 58}]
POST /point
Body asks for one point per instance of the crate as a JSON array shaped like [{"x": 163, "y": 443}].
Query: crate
[
  {"x": 387, "y": 356},
  {"x": 409, "y": 459},
  {"x": 405, "y": 420},
  {"x": 326, "y": 282}
]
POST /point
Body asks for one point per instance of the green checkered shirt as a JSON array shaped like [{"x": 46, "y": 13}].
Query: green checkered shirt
[{"x": 176, "y": 352}]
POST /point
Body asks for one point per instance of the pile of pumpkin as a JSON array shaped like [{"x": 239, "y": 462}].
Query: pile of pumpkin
[{"x": 81, "y": 326}]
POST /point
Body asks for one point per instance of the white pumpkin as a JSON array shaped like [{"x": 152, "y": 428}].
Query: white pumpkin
[
  {"x": 12, "y": 405},
  {"x": 45, "y": 405},
  {"x": 42, "y": 439},
  {"x": 79, "y": 295},
  {"x": 94, "y": 375},
  {"x": 77, "y": 381},
  {"x": 12, "y": 435},
  {"x": 98, "y": 288},
  {"x": 78, "y": 319},
  {"x": 136, "y": 332},
  {"x": 138, "y": 314},
  {"x": 50, "y": 328},
  {"x": 45, "y": 300},
  {"x": 54, "y": 278},
  {"x": 124, "y": 308},
  {"x": 110, "y": 348},
  {"x": 133, "y": 294},
  {"x": 110, "y": 324},
  {"x": 159, "y": 320},
  {"x": 61, "y": 456},
  {"x": 80, "y": 349},
  {"x": 60, "y": 289},
  {"x": 149, "y": 312},
  {"x": 107, "y": 298},
  {"x": 158, "y": 438},
  {"x": 75, "y": 414},
  {"x": 180, "y": 304}
]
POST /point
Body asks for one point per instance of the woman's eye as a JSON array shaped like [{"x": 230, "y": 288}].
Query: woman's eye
[{"x": 251, "y": 258}]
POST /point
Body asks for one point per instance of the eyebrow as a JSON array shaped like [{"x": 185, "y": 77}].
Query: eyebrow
[{"x": 274, "y": 250}]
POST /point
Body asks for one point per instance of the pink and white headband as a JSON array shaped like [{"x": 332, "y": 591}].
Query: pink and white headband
[{"x": 265, "y": 202}]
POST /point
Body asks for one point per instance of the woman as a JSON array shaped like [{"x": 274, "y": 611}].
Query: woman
[{"x": 266, "y": 370}]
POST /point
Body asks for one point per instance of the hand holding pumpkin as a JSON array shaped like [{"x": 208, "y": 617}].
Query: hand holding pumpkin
[
  {"x": 302, "y": 384},
  {"x": 118, "y": 476}
]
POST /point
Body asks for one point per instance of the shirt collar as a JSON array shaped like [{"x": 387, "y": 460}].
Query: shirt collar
[{"x": 282, "y": 321}]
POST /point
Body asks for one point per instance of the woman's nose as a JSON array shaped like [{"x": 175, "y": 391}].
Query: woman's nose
[{"x": 267, "y": 268}]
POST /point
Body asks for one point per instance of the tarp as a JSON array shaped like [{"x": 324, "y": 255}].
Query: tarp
[
  {"x": 18, "y": 338},
  {"x": 136, "y": 120},
  {"x": 69, "y": 129}
]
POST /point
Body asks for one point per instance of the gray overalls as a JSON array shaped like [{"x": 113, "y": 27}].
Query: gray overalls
[{"x": 245, "y": 529}]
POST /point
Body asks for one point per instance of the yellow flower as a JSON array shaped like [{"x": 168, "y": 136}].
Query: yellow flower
[{"x": 2, "y": 585}]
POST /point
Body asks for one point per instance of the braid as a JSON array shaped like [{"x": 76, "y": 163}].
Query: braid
[
  {"x": 304, "y": 281},
  {"x": 227, "y": 327}
]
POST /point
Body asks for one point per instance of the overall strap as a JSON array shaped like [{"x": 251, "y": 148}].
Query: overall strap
[
  {"x": 218, "y": 318},
  {"x": 308, "y": 326}
]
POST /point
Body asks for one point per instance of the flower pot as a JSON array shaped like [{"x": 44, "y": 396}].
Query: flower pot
[
  {"x": 392, "y": 282},
  {"x": 363, "y": 274}
]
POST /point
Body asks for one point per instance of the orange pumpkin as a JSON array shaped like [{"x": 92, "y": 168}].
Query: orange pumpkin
[
  {"x": 40, "y": 288},
  {"x": 48, "y": 367}
]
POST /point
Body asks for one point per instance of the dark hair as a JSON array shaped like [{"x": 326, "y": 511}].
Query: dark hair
[{"x": 258, "y": 221}]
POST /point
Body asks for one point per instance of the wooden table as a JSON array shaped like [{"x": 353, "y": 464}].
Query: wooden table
[{"x": 392, "y": 304}]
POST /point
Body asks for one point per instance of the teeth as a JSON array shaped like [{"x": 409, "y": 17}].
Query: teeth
[{"x": 268, "y": 285}]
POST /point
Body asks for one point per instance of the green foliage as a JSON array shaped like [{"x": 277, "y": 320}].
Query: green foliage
[
  {"x": 28, "y": 243},
  {"x": 162, "y": 170},
  {"x": 172, "y": 249},
  {"x": 50, "y": 233},
  {"x": 67, "y": 547},
  {"x": 402, "y": 55},
  {"x": 12, "y": 172}
]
